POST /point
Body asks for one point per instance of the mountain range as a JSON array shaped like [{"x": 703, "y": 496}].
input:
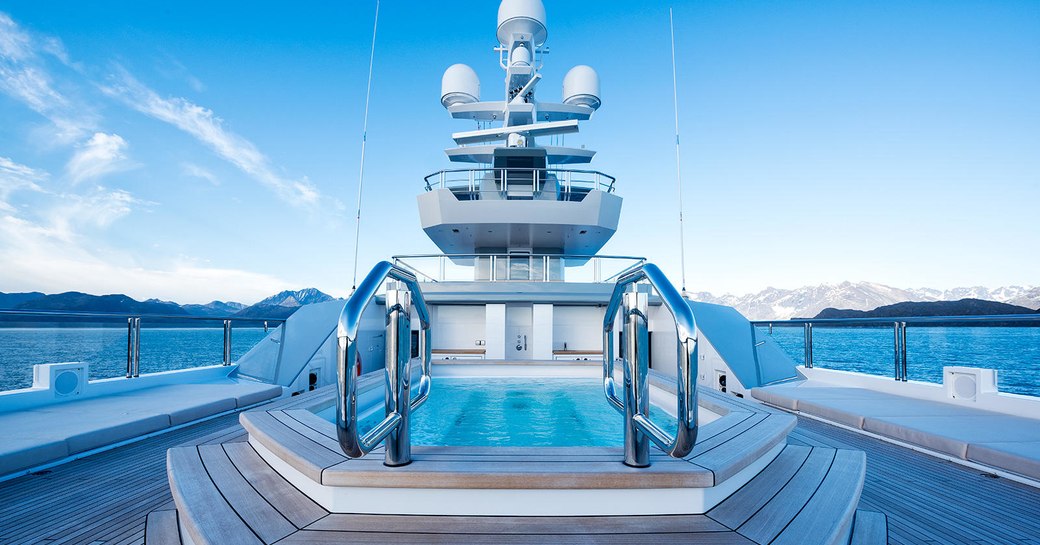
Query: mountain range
[
  {"x": 809, "y": 301},
  {"x": 279, "y": 306},
  {"x": 963, "y": 307},
  {"x": 768, "y": 304}
]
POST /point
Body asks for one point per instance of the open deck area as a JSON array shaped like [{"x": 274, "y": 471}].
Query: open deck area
[{"x": 105, "y": 498}]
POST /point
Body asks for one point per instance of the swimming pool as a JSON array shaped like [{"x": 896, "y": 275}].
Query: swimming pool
[{"x": 514, "y": 412}]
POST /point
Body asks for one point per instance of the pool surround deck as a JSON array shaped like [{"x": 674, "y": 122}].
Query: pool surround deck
[{"x": 731, "y": 449}]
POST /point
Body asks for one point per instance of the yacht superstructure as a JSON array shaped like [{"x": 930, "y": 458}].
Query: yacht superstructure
[{"x": 451, "y": 397}]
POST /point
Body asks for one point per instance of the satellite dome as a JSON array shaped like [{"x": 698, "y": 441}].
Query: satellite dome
[
  {"x": 521, "y": 17},
  {"x": 581, "y": 87},
  {"x": 459, "y": 85}
]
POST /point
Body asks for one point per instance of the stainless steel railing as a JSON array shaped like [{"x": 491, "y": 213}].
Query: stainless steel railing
[
  {"x": 401, "y": 294},
  {"x": 519, "y": 183},
  {"x": 899, "y": 327},
  {"x": 632, "y": 298}
]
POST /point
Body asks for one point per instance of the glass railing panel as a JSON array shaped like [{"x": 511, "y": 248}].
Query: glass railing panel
[
  {"x": 520, "y": 183},
  {"x": 1014, "y": 351},
  {"x": 25, "y": 343},
  {"x": 516, "y": 267},
  {"x": 166, "y": 343}
]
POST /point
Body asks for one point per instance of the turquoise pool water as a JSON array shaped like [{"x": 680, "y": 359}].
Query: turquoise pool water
[{"x": 528, "y": 412}]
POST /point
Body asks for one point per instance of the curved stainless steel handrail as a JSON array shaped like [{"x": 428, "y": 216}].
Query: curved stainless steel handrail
[
  {"x": 636, "y": 392},
  {"x": 398, "y": 372}
]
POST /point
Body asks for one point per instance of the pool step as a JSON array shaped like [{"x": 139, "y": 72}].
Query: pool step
[
  {"x": 740, "y": 438},
  {"x": 807, "y": 495},
  {"x": 227, "y": 494}
]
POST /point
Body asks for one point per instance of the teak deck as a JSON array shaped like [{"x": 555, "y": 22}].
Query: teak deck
[{"x": 105, "y": 498}]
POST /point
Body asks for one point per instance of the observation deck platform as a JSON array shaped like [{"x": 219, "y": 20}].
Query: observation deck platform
[{"x": 106, "y": 497}]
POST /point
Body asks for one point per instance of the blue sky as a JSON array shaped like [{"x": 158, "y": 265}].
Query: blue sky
[{"x": 200, "y": 150}]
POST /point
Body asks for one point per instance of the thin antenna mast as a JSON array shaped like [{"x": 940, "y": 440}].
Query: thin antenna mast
[
  {"x": 364, "y": 140},
  {"x": 678, "y": 164}
]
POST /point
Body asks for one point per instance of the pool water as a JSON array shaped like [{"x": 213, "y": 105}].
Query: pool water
[{"x": 514, "y": 412}]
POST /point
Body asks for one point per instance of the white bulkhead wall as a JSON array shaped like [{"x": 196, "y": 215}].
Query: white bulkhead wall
[
  {"x": 710, "y": 366},
  {"x": 458, "y": 326},
  {"x": 577, "y": 328}
]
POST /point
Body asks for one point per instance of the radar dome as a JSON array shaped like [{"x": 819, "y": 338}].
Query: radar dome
[
  {"x": 581, "y": 87},
  {"x": 521, "y": 17},
  {"x": 459, "y": 85}
]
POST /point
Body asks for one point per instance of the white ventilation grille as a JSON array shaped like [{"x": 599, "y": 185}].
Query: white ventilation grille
[{"x": 967, "y": 383}]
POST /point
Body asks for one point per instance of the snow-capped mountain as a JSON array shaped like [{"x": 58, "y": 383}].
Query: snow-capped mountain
[
  {"x": 297, "y": 298},
  {"x": 808, "y": 301}
]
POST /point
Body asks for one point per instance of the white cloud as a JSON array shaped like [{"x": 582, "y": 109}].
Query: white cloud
[
  {"x": 209, "y": 129},
  {"x": 24, "y": 77},
  {"x": 36, "y": 259},
  {"x": 195, "y": 171},
  {"x": 16, "y": 177},
  {"x": 96, "y": 210},
  {"x": 101, "y": 155}
]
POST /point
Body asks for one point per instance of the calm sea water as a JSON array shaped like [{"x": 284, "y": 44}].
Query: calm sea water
[
  {"x": 499, "y": 412},
  {"x": 1013, "y": 351},
  {"x": 162, "y": 349}
]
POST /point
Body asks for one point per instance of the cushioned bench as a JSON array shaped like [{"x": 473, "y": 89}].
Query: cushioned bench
[
  {"x": 1002, "y": 441},
  {"x": 52, "y": 432}
]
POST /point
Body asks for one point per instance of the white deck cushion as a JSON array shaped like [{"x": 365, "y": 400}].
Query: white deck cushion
[
  {"x": 53, "y": 432},
  {"x": 852, "y": 412},
  {"x": 1017, "y": 457},
  {"x": 952, "y": 434}
]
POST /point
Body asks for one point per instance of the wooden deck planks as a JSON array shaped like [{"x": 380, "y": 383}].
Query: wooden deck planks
[
  {"x": 518, "y": 525},
  {"x": 381, "y": 538},
  {"x": 967, "y": 507},
  {"x": 870, "y": 528},
  {"x": 211, "y": 520},
  {"x": 268, "y": 524},
  {"x": 290, "y": 502},
  {"x": 774, "y": 516},
  {"x": 162, "y": 529},
  {"x": 830, "y": 506},
  {"x": 744, "y": 503}
]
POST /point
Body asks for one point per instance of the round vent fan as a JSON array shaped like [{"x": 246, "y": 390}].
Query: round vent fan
[
  {"x": 66, "y": 383},
  {"x": 964, "y": 386}
]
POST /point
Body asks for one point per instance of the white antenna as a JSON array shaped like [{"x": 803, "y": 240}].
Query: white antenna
[
  {"x": 678, "y": 164},
  {"x": 364, "y": 140}
]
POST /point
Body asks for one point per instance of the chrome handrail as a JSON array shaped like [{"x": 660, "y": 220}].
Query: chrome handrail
[
  {"x": 635, "y": 343},
  {"x": 394, "y": 427}
]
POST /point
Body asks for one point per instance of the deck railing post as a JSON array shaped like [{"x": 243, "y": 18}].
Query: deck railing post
[
  {"x": 902, "y": 348},
  {"x": 808, "y": 344},
  {"x": 137, "y": 347},
  {"x": 227, "y": 342},
  {"x": 129, "y": 348},
  {"x": 897, "y": 350}
]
